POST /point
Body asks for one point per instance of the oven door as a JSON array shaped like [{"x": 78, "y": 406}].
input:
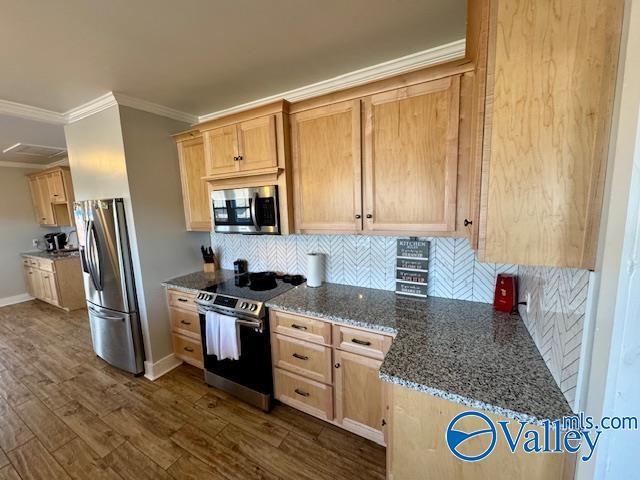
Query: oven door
[
  {"x": 250, "y": 377},
  {"x": 246, "y": 210}
]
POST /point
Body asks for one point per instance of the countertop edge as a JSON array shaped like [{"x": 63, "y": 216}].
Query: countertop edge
[
  {"x": 462, "y": 400},
  {"x": 332, "y": 318},
  {"x": 179, "y": 287}
]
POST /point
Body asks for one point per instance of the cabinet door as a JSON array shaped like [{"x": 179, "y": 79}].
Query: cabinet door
[
  {"x": 411, "y": 158},
  {"x": 221, "y": 150},
  {"x": 34, "y": 188},
  {"x": 36, "y": 283},
  {"x": 550, "y": 95},
  {"x": 56, "y": 187},
  {"x": 49, "y": 292},
  {"x": 46, "y": 209},
  {"x": 29, "y": 280},
  {"x": 359, "y": 395},
  {"x": 257, "y": 143},
  {"x": 327, "y": 168},
  {"x": 195, "y": 195}
]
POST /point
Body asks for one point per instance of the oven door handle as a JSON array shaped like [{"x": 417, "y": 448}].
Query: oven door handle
[{"x": 252, "y": 212}]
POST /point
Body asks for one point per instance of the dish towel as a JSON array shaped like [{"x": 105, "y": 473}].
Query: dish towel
[
  {"x": 212, "y": 333},
  {"x": 222, "y": 336},
  {"x": 229, "y": 338}
]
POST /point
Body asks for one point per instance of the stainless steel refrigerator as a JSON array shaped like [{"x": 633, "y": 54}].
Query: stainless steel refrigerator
[{"x": 109, "y": 283}]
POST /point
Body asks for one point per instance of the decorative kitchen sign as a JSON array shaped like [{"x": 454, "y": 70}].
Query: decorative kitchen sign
[{"x": 412, "y": 267}]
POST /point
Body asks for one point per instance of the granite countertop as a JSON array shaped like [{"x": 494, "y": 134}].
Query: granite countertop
[
  {"x": 193, "y": 282},
  {"x": 458, "y": 350},
  {"x": 52, "y": 256}
]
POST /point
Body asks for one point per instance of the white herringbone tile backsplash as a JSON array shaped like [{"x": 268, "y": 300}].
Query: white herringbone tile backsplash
[{"x": 558, "y": 296}]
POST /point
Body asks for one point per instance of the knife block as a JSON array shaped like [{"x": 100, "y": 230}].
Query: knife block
[{"x": 209, "y": 267}]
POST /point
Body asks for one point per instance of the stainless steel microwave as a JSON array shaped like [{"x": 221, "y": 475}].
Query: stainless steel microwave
[{"x": 246, "y": 210}]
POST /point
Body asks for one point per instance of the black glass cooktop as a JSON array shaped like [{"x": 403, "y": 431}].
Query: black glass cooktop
[{"x": 241, "y": 287}]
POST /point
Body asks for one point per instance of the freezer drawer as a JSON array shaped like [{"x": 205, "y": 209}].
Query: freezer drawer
[{"x": 117, "y": 338}]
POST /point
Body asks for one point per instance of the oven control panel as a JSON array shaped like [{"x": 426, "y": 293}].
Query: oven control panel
[{"x": 229, "y": 304}]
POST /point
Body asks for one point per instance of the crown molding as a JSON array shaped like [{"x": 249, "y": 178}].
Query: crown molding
[
  {"x": 31, "y": 113},
  {"x": 90, "y": 108},
  {"x": 156, "y": 108},
  {"x": 23, "y": 165},
  {"x": 415, "y": 61}
]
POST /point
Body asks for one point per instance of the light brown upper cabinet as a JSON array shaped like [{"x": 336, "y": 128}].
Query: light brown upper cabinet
[
  {"x": 221, "y": 150},
  {"x": 404, "y": 178},
  {"x": 550, "y": 90},
  {"x": 327, "y": 168},
  {"x": 195, "y": 196},
  {"x": 249, "y": 148},
  {"x": 52, "y": 196},
  {"x": 243, "y": 147},
  {"x": 411, "y": 158}
]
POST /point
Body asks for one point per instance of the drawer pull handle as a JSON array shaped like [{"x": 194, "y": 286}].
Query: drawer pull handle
[
  {"x": 188, "y": 349},
  {"x": 184, "y": 322},
  {"x": 301, "y": 393},
  {"x": 301, "y": 357},
  {"x": 184, "y": 300},
  {"x": 361, "y": 342},
  {"x": 298, "y": 327}
]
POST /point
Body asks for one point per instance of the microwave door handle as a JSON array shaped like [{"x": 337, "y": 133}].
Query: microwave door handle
[{"x": 252, "y": 212}]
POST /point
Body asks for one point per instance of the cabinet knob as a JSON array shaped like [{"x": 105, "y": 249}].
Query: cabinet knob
[
  {"x": 337, "y": 365},
  {"x": 358, "y": 215},
  {"x": 369, "y": 215},
  {"x": 239, "y": 157},
  {"x": 467, "y": 222},
  {"x": 235, "y": 159}
]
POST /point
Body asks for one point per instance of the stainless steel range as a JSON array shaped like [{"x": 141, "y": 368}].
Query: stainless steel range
[{"x": 243, "y": 297}]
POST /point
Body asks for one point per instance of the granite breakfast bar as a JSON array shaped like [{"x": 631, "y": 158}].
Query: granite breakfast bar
[{"x": 457, "y": 350}]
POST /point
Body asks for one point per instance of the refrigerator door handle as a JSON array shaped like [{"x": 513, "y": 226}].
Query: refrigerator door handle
[{"x": 92, "y": 247}]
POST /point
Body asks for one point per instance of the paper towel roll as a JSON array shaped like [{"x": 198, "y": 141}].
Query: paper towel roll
[{"x": 315, "y": 269}]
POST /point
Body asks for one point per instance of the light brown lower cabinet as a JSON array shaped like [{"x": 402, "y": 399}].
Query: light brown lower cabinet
[
  {"x": 58, "y": 282},
  {"x": 330, "y": 371},
  {"x": 359, "y": 395},
  {"x": 417, "y": 446},
  {"x": 185, "y": 327}
]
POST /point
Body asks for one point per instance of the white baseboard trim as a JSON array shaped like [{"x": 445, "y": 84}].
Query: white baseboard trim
[
  {"x": 153, "y": 371},
  {"x": 23, "y": 297}
]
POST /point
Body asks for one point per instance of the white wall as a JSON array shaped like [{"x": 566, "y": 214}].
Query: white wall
[
  {"x": 164, "y": 248},
  {"x": 612, "y": 384},
  {"x": 17, "y": 228},
  {"x": 96, "y": 156}
]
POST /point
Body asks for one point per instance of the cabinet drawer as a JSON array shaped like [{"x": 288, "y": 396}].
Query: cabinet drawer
[
  {"x": 305, "y": 328},
  {"x": 46, "y": 265},
  {"x": 188, "y": 349},
  {"x": 311, "y": 397},
  {"x": 363, "y": 342},
  {"x": 185, "y": 322},
  {"x": 308, "y": 359},
  {"x": 31, "y": 261},
  {"x": 183, "y": 300}
]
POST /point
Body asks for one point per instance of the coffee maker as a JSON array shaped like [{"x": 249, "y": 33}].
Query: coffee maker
[{"x": 55, "y": 241}]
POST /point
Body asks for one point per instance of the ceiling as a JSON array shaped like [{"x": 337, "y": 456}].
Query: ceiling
[
  {"x": 199, "y": 56},
  {"x": 14, "y": 130}
]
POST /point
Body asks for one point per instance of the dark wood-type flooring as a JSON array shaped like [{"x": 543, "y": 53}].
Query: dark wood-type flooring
[{"x": 64, "y": 413}]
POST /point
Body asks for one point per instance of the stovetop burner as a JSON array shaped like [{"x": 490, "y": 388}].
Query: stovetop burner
[{"x": 261, "y": 287}]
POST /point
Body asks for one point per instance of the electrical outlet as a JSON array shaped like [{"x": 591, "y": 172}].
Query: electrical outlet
[{"x": 528, "y": 303}]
